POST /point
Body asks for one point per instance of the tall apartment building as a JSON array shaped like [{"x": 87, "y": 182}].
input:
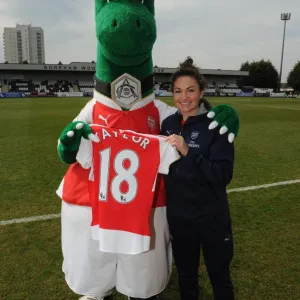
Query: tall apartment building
[{"x": 24, "y": 42}]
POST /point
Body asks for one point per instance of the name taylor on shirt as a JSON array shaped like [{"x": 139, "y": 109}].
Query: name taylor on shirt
[{"x": 142, "y": 141}]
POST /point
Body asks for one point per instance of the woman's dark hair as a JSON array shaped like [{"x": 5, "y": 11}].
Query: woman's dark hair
[{"x": 187, "y": 68}]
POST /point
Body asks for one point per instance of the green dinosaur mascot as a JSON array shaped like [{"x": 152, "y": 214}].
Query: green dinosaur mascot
[{"x": 123, "y": 99}]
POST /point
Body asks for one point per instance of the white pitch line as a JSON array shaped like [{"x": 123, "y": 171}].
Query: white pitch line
[
  {"x": 236, "y": 190},
  {"x": 263, "y": 186},
  {"x": 268, "y": 106},
  {"x": 31, "y": 219}
]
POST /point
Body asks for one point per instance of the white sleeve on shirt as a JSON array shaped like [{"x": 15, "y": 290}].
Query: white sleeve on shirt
[
  {"x": 86, "y": 114},
  {"x": 85, "y": 154},
  {"x": 164, "y": 110},
  {"x": 168, "y": 155}
]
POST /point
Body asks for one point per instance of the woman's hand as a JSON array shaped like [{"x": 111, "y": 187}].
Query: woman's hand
[{"x": 179, "y": 143}]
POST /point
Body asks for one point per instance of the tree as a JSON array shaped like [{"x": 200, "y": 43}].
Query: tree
[
  {"x": 245, "y": 66},
  {"x": 294, "y": 77},
  {"x": 262, "y": 74}
]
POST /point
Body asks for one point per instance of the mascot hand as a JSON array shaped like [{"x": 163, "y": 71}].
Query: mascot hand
[
  {"x": 71, "y": 136},
  {"x": 227, "y": 118}
]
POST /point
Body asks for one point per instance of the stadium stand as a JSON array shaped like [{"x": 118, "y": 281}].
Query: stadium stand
[
  {"x": 230, "y": 90},
  {"x": 20, "y": 86},
  {"x": 51, "y": 86},
  {"x": 210, "y": 90},
  {"x": 61, "y": 86},
  {"x": 77, "y": 79},
  {"x": 262, "y": 91},
  {"x": 85, "y": 86}
]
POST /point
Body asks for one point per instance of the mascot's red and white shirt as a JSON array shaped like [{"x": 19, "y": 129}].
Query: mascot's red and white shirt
[
  {"x": 124, "y": 167},
  {"x": 145, "y": 116}
]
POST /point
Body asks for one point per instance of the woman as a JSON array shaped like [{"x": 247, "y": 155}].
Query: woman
[{"x": 197, "y": 205}]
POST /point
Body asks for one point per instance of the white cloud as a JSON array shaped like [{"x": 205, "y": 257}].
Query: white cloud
[{"x": 217, "y": 34}]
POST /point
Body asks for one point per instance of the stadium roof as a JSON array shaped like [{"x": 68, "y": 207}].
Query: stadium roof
[
  {"x": 205, "y": 71},
  {"x": 91, "y": 67},
  {"x": 74, "y": 67}
]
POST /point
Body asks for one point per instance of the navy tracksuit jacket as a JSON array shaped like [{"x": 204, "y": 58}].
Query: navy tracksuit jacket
[{"x": 196, "y": 184}]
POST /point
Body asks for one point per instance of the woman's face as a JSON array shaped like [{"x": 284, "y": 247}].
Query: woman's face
[{"x": 187, "y": 95}]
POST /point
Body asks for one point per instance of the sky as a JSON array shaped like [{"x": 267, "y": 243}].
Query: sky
[{"x": 217, "y": 34}]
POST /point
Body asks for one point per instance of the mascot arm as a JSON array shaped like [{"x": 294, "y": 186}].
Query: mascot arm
[
  {"x": 71, "y": 136},
  {"x": 227, "y": 119}
]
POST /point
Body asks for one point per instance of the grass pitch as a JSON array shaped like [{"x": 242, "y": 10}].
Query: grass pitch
[{"x": 266, "y": 222}]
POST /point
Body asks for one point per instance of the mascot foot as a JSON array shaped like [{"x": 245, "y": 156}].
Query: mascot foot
[{"x": 96, "y": 298}]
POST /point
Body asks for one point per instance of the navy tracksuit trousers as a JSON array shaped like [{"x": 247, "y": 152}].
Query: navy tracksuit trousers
[{"x": 217, "y": 248}]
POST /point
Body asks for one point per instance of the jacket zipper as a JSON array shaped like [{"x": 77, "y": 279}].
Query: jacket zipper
[{"x": 182, "y": 123}]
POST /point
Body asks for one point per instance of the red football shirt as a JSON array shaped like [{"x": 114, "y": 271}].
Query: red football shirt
[
  {"x": 74, "y": 186},
  {"x": 124, "y": 166}
]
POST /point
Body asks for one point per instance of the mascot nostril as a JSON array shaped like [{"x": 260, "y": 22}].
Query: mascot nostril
[
  {"x": 98, "y": 218},
  {"x": 138, "y": 23}
]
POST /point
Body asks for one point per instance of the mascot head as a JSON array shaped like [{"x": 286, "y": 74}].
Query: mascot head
[{"x": 126, "y": 33}]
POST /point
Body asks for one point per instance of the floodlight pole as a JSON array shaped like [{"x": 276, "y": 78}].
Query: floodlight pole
[{"x": 284, "y": 17}]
